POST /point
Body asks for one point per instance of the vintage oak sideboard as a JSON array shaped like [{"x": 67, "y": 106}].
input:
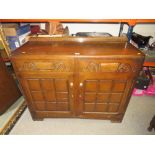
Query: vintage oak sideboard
[{"x": 77, "y": 77}]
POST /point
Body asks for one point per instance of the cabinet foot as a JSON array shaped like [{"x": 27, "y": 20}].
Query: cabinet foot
[
  {"x": 36, "y": 118},
  {"x": 152, "y": 124},
  {"x": 116, "y": 120}
]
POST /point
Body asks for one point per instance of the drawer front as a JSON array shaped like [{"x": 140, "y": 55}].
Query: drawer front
[
  {"x": 116, "y": 65},
  {"x": 54, "y": 65}
]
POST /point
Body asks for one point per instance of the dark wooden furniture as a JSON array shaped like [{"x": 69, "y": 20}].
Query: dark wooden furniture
[
  {"x": 9, "y": 91},
  {"x": 152, "y": 124},
  {"x": 77, "y": 77}
]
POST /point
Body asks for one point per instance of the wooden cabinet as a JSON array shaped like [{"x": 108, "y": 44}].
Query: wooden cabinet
[{"x": 73, "y": 79}]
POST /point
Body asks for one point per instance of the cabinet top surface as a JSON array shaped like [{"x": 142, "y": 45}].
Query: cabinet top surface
[{"x": 70, "y": 49}]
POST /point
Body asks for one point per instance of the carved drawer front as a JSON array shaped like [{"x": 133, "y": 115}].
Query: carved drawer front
[
  {"x": 108, "y": 66},
  {"x": 48, "y": 65},
  {"x": 50, "y": 94},
  {"x": 102, "y": 95}
]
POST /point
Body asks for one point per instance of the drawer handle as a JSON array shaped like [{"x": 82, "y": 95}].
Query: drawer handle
[{"x": 81, "y": 84}]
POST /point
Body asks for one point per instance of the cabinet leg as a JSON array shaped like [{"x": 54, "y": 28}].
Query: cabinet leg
[
  {"x": 152, "y": 124},
  {"x": 36, "y": 118},
  {"x": 117, "y": 120}
]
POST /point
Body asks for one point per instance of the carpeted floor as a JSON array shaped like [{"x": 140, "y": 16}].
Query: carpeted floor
[{"x": 136, "y": 120}]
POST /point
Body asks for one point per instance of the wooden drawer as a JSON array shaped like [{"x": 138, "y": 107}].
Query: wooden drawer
[
  {"x": 109, "y": 65},
  {"x": 53, "y": 65}
]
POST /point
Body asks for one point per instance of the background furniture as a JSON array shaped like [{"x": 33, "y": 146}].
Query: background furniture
[
  {"x": 6, "y": 52},
  {"x": 9, "y": 91}
]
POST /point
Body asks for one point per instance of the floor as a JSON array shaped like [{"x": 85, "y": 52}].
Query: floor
[
  {"x": 136, "y": 120},
  {"x": 8, "y": 118}
]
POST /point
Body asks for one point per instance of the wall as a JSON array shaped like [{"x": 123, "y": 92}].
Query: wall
[
  {"x": 110, "y": 28},
  {"x": 143, "y": 29}
]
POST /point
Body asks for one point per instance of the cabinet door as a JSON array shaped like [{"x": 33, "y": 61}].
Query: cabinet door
[
  {"x": 104, "y": 87},
  {"x": 50, "y": 94},
  {"x": 48, "y": 86}
]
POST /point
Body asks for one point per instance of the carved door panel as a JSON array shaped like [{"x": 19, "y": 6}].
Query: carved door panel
[{"x": 103, "y": 90}]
